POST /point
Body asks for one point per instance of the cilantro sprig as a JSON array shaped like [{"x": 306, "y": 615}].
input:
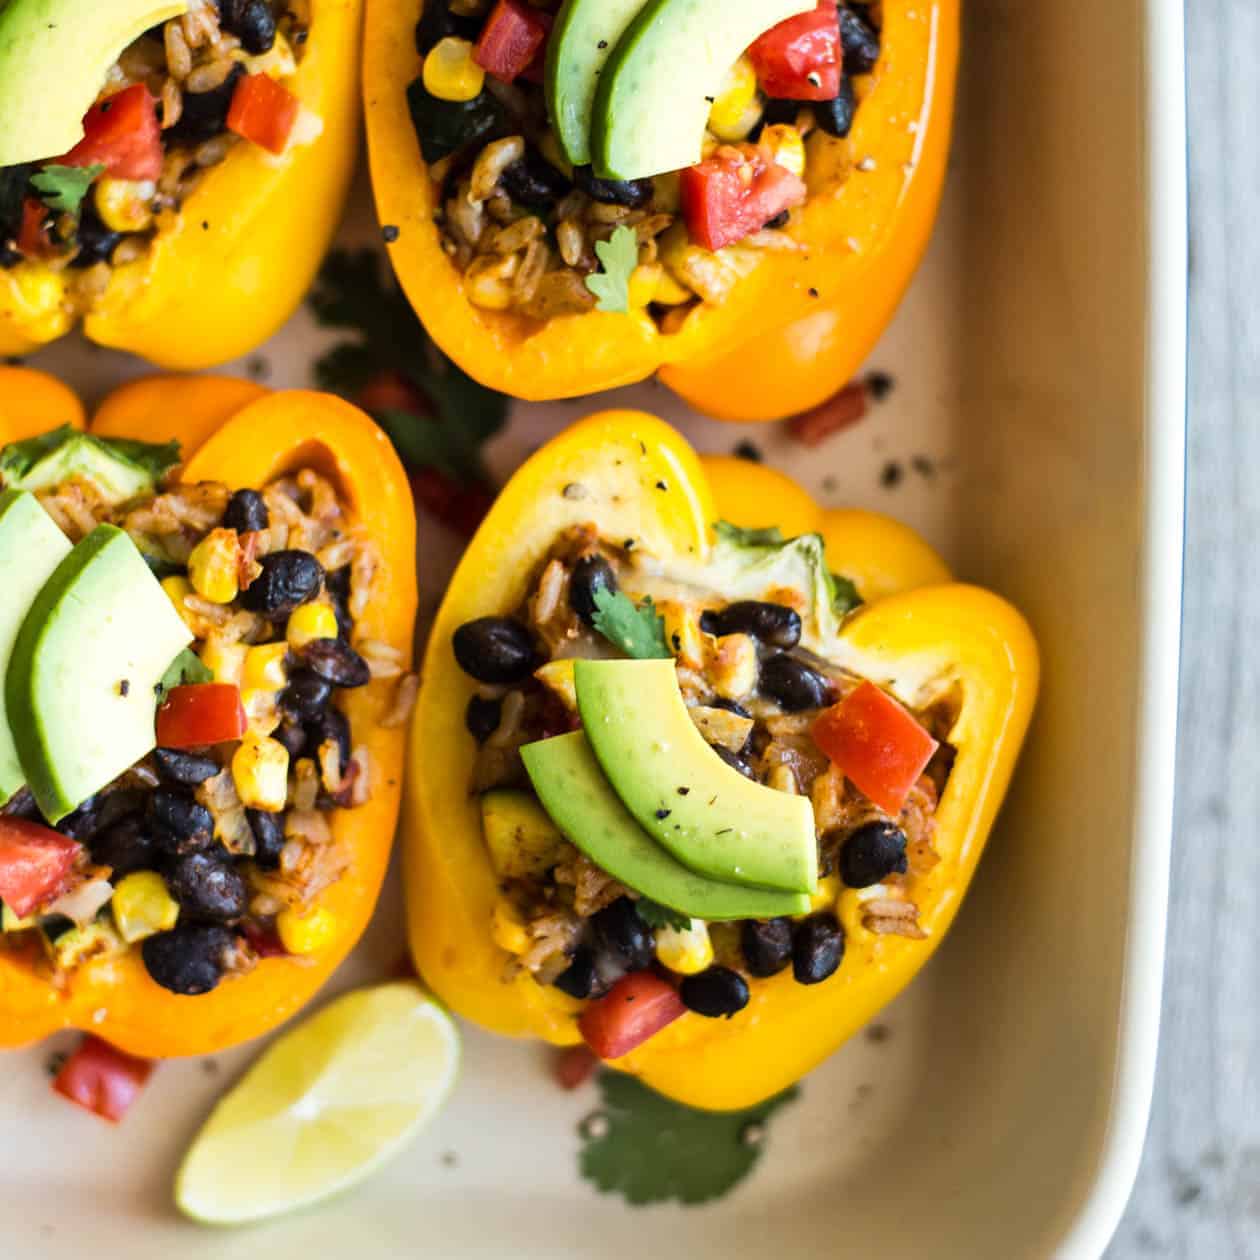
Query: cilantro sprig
[
  {"x": 619, "y": 256},
  {"x": 638, "y": 630},
  {"x": 656, "y": 915},
  {"x": 62, "y": 188},
  {"x": 652, "y": 1149}
]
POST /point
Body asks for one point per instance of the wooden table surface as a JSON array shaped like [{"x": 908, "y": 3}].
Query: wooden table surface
[{"x": 1198, "y": 1192}]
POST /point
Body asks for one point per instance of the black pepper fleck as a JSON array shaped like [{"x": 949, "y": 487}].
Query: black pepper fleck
[
  {"x": 813, "y": 292},
  {"x": 682, "y": 791},
  {"x": 891, "y": 475},
  {"x": 749, "y": 451},
  {"x": 390, "y": 233},
  {"x": 124, "y": 687},
  {"x": 879, "y": 385},
  {"x": 663, "y": 813}
]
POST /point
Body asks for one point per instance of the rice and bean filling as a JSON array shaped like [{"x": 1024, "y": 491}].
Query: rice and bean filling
[
  {"x": 521, "y": 223},
  {"x": 754, "y": 693},
  {"x": 209, "y": 858},
  {"x": 191, "y": 67}
]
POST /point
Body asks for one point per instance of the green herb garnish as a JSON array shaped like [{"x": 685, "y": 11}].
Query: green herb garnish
[
  {"x": 638, "y": 630},
  {"x": 619, "y": 256},
  {"x": 184, "y": 670},
  {"x": 62, "y": 188},
  {"x": 740, "y": 537},
  {"x": 656, "y": 915}
]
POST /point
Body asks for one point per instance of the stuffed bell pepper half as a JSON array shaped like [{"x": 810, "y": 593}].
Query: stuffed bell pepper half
[
  {"x": 578, "y": 194},
  {"x": 706, "y": 768},
  {"x": 171, "y": 171},
  {"x": 206, "y": 652}
]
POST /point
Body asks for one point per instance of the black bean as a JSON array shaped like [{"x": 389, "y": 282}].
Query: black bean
[
  {"x": 437, "y": 22},
  {"x": 715, "y": 992},
  {"x": 534, "y": 182},
  {"x": 207, "y": 886},
  {"x": 9, "y": 256},
  {"x": 620, "y": 931},
  {"x": 495, "y": 650},
  {"x": 292, "y": 735},
  {"x": 246, "y": 512},
  {"x": 183, "y": 824},
  {"x": 256, "y": 27},
  {"x": 817, "y": 949},
  {"x": 185, "y": 768},
  {"x": 127, "y": 846},
  {"x": 578, "y": 979},
  {"x": 735, "y": 761},
  {"x": 873, "y": 851},
  {"x": 590, "y": 574},
  {"x": 774, "y": 624},
  {"x": 835, "y": 117},
  {"x": 482, "y": 717},
  {"x": 288, "y": 580},
  {"x": 96, "y": 241},
  {"x": 331, "y": 724},
  {"x": 731, "y": 706},
  {"x": 634, "y": 193},
  {"x": 190, "y": 959},
  {"x": 83, "y": 821},
  {"x": 268, "y": 832},
  {"x": 767, "y": 945},
  {"x": 336, "y": 661},
  {"x": 859, "y": 42},
  {"x": 793, "y": 684},
  {"x": 204, "y": 114},
  {"x": 779, "y": 220},
  {"x": 102, "y": 811},
  {"x": 609, "y": 968},
  {"x": 337, "y": 582},
  {"x": 306, "y": 696}
]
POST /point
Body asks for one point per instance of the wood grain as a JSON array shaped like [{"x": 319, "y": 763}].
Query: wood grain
[{"x": 1198, "y": 1192}]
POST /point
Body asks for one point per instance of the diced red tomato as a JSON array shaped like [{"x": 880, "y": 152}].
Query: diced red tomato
[
  {"x": 536, "y": 71},
  {"x": 637, "y": 1007},
  {"x": 877, "y": 745},
  {"x": 263, "y": 112},
  {"x": 122, "y": 134},
  {"x": 513, "y": 37},
  {"x": 199, "y": 714},
  {"x": 32, "y": 238},
  {"x": 801, "y": 58},
  {"x": 574, "y": 1066},
  {"x": 35, "y": 862},
  {"x": 734, "y": 193},
  {"x": 841, "y": 411},
  {"x": 102, "y": 1079},
  {"x": 264, "y": 941}
]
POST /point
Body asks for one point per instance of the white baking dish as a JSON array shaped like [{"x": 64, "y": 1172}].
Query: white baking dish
[{"x": 1040, "y": 365}]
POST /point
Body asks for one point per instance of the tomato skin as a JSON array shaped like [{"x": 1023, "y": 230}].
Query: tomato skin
[
  {"x": 34, "y": 863},
  {"x": 512, "y": 40},
  {"x": 637, "y": 1007},
  {"x": 721, "y": 205},
  {"x": 198, "y": 714},
  {"x": 122, "y": 134},
  {"x": 102, "y": 1079},
  {"x": 801, "y": 58},
  {"x": 263, "y": 112},
  {"x": 877, "y": 745},
  {"x": 32, "y": 239}
]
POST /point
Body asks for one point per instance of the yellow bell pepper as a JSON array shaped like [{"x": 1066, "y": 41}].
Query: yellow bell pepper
[
  {"x": 226, "y": 271},
  {"x": 919, "y": 629}
]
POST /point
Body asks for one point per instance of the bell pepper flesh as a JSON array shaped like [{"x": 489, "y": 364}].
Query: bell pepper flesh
[
  {"x": 238, "y": 259},
  {"x": 102, "y": 1079},
  {"x": 34, "y": 863},
  {"x": 200, "y": 714},
  {"x": 273, "y": 434},
  {"x": 121, "y": 133},
  {"x": 918, "y": 628},
  {"x": 800, "y": 58},
  {"x": 865, "y": 236}
]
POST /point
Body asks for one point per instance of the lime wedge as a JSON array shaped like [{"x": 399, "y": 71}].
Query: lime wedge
[{"x": 328, "y": 1103}]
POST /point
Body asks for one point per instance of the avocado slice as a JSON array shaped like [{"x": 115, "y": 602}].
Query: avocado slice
[
  {"x": 54, "y": 56},
  {"x": 582, "y": 803},
  {"x": 656, "y": 89},
  {"x": 31, "y": 547},
  {"x": 523, "y": 841},
  {"x": 120, "y": 469},
  {"x": 709, "y": 816},
  {"x": 582, "y": 40},
  {"x": 80, "y": 686}
]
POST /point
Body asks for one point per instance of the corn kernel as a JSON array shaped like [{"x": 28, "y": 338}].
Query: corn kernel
[
  {"x": 732, "y": 665},
  {"x": 260, "y": 771},
  {"x": 262, "y": 710},
  {"x": 9, "y": 921},
  {"x": 226, "y": 661},
  {"x": 306, "y": 933},
  {"x": 212, "y": 567},
  {"x": 125, "y": 205},
  {"x": 84, "y": 944},
  {"x": 450, "y": 73},
  {"x": 177, "y": 590},
  {"x": 557, "y": 677},
  {"x": 265, "y": 668},
  {"x": 643, "y": 281},
  {"x": 311, "y": 622},
  {"x": 682, "y": 632},
  {"x": 507, "y": 928},
  {"x": 735, "y": 108},
  {"x": 142, "y": 905},
  {"x": 685, "y": 951},
  {"x": 782, "y": 145}
]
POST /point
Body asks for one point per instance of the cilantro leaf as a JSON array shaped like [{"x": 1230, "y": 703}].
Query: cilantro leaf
[
  {"x": 845, "y": 597},
  {"x": 737, "y": 536},
  {"x": 620, "y": 256},
  {"x": 186, "y": 668},
  {"x": 62, "y": 188},
  {"x": 654, "y": 1150},
  {"x": 637, "y": 631},
  {"x": 656, "y": 915}
]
